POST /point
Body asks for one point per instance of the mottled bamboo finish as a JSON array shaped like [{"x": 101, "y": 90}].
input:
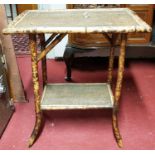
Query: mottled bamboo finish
[
  {"x": 36, "y": 130},
  {"x": 118, "y": 90},
  {"x": 35, "y": 78},
  {"x": 116, "y": 129},
  {"x": 49, "y": 47},
  {"x": 44, "y": 65},
  {"x": 120, "y": 68},
  {"x": 112, "y": 40},
  {"x": 111, "y": 64}
]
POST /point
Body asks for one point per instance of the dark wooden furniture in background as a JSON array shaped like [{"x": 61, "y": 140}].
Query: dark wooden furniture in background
[
  {"x": 80, "y": 42},
  {"x": 145, "y": 11},
  {"x": 23, "y": 7},
  {"x": 97, "y": 40}
]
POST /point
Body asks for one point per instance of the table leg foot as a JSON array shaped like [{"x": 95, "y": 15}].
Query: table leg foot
[
  {"x": 116, "y": 130},
  {"x": 69, "y": 79},
  {"x": 36, "y": 130}
]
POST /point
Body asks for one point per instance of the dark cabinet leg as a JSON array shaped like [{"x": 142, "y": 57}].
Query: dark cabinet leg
[{"x": 68, "y": 58}]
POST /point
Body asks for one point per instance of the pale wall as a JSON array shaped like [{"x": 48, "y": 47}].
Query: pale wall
[{"x": 59, "y": 49}]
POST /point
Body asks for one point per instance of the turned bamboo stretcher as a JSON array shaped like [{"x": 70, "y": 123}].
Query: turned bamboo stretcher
[{"x": 112, "y": 23}]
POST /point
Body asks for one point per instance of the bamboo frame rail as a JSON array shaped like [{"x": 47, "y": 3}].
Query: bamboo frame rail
[
  {"x": 50, "y": 39},
  {"x": 49, "y": 47}
]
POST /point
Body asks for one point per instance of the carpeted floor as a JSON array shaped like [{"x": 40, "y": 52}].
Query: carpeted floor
[{"x": 88, "y": 129}]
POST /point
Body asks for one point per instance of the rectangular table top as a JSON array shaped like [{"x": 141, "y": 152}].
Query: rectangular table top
[{"x": 111, "y": 20}]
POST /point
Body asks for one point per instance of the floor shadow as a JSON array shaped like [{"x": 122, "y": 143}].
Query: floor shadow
[
  {"x": 78, "y": 114},
  {"x": 92, "y": 64}
]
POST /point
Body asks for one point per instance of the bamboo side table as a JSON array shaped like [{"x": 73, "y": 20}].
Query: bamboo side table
[{"x": 111, "y": 23}]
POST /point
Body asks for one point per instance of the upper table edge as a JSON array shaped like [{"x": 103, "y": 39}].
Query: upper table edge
[{"x": 10, "y": 30}]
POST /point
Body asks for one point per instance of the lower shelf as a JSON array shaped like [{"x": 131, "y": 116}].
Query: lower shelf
[{"x": 77, "y": 96}]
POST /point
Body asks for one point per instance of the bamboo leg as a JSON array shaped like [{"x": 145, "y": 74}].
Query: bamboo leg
[
  {"x": 118, "y": 90},
  {"x": 37, "y": 127},
  {"x": 44, "y": 64},
  {"x": 116, "y": 129},
  {"x": 111, "y": 62},
  {"x": 112, "y": 42}
]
